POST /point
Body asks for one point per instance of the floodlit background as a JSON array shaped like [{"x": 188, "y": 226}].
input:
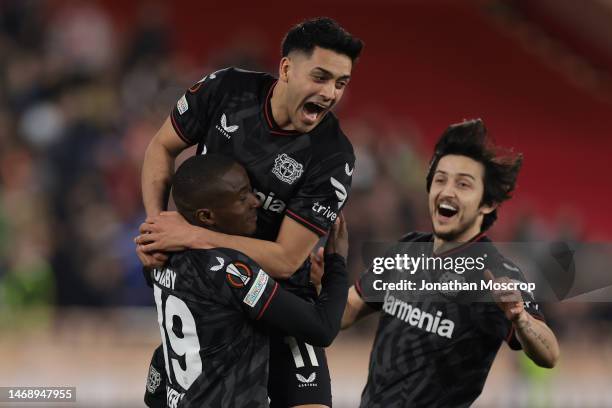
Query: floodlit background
[{"x": 85, "y": 85}]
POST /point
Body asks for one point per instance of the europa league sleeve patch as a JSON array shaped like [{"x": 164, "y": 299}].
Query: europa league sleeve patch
[{"x": 238, "y": 274}]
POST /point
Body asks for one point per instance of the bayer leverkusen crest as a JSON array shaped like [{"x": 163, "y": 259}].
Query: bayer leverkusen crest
[{"x": 287, "y": 169}]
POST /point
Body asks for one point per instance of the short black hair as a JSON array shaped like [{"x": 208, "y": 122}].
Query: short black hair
[
  {"x": 321, "y": 32},
  {"x": 501, "y": 167},
  {"x": 196, "y": 183}
]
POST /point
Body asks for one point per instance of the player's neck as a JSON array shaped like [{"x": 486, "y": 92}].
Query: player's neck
[
  {"x": 279, "y": 107},
  {"x": 441, "y": 245}
]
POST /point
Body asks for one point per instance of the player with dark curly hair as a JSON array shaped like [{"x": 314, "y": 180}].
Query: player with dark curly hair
[{"x": 435, "y": 349}]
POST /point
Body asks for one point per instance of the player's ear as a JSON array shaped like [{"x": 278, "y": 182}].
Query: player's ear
[
  {"x": 283, "y": 69},
  {"x": 488, "y": 208},
  {"x": 205, "y": 217}
]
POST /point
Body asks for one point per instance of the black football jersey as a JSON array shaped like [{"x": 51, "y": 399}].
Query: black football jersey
[
  {"x": 206, "y": 303},
  {"x": 306, "y": 176},
  {"x": 436, "y": 350}
]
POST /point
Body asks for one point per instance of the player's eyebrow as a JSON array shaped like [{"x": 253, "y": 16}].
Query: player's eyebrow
[
  {"x": 467, "y": 175},
  {"x": 331, "y": 75}
]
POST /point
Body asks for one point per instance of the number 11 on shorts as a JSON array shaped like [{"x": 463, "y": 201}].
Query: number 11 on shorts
[{"x": 297, "y": 354}]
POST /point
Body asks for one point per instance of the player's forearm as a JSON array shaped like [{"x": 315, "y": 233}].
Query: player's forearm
[
  {"x": 319, "y": 323},
  {"x": 157, "y": 171},
  {"x": 271, "y": 256},
  {"x": 538, "y": 341},
  {"x": 355, "y": 309}
]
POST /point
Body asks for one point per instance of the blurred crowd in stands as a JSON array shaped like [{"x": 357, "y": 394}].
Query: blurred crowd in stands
[{"x": 79, "y": 102}]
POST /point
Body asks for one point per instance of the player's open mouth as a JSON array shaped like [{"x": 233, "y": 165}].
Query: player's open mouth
[
  {"x": 447, "y": 210},
  {"x": 313, "y": 111}
]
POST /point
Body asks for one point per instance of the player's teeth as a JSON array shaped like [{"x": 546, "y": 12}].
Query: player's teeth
[{"x": 448, "y": 207}]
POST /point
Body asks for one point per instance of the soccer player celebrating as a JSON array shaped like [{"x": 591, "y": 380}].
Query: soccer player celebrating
[
  {"x": 299, "y": 163},
  {"x": 432, "y": 350},
  {"x": 214, "y": 356}
]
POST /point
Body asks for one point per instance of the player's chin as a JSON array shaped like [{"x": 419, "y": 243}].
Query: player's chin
[{"x": 444, "y": 231}]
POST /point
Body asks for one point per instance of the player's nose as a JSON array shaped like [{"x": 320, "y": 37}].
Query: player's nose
[
  {"x": 328, "y": 91},
  {"x": 254, "y": 201},
  {"x": 448, "y": 190}
]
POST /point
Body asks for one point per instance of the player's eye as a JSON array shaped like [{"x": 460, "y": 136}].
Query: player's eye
[
  {"x": 340, "y": 85},
  {"x": 318, "y": 78}
]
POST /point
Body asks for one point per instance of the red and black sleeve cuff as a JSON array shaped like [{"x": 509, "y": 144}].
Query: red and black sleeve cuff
[
  {"x": 178, "y": 130},
  {"x": 265, "y": 307},
  {"x": 320, "y": 231}
]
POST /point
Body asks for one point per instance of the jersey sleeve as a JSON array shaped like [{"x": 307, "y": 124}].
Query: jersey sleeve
[
  {"x": 315, "y": 323},
  {"x": 191, "y": 115},
  {"x": 323, "y": 194},
  {"x": 239, "y": 281},
  {"x": 251, "y": 286}
]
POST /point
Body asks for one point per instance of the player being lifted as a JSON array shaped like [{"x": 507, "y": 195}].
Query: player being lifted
[
  {"x": 299, "y": 163},
  {"x": 413, "y": 362},
  {"x": 207, "y": 299}
]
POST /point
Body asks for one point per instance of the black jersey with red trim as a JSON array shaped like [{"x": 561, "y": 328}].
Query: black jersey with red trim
[
  {"x": 206, "y": 303},
  {"x": 435, "y": 350},
  {"x": 306, "y": 176}
]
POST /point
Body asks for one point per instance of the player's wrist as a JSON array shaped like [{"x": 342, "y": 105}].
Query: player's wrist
[
  {"x": 334, "y": 262},
  {"x": 522, "y": 320},
  {"x": 196, "y": 238}
]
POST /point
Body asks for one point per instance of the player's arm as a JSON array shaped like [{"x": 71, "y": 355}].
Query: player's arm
[
  {"x": 315, "y": 323},
  {"x": 535, "y": 337},
  {"x": 157, "y": 171},
  {"x": 280, "y": 258},
  {"x": 169, "y": 231},
  {"x": 158, "y": 168},
  {"x": 356, "y": 309},
  {"x": 184, "y": 127}
]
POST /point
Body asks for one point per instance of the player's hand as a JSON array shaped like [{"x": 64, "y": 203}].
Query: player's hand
[
  {"x": 509, "y": 301},
  {"x": 151, "y": 260},
  {"x": 337, "y": 243},
  {"x": 316, "y": 266},
  {"x": 168, "y": 231}
]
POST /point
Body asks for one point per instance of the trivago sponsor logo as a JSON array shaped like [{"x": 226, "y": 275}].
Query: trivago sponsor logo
[{"x": 325, "y": 211}]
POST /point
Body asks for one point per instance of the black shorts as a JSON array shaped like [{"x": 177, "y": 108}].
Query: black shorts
[{"x": 298, "y": 373}]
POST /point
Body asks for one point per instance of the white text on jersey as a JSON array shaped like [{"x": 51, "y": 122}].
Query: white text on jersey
[
  {"x": 165, "y": 277},
  {"x": 268, "y": 202},
  {"x": 325, "y": 211},
  {"x": 418, "y": 318}
]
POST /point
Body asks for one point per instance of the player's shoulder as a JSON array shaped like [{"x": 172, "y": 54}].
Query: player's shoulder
[
  {"x": 233, "y": 79},
  {"x": 329, "y": 139},
  {"x": 215, "y": 259},
  {"x": 416, "y": 236},
  {"x": 501, "y": 265}
]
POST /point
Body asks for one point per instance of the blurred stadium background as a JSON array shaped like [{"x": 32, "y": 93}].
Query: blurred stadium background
[{"x": 84, "y": 85}]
